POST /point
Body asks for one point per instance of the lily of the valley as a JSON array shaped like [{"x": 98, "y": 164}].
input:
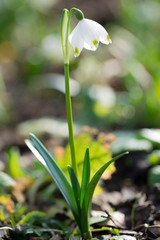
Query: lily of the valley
[{"x": 87, "y": 34}]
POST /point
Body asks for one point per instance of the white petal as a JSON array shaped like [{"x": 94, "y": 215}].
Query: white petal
[
  {"x": 89, "y": 35},
  {"x": 76, "y": 40},
  {"x": 102, "y": 33}
]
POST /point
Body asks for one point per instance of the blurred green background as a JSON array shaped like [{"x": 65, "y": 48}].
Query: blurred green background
[{"x": 116, "y": 87}]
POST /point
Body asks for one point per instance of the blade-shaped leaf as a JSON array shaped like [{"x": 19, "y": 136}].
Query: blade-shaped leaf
[
  {"x": 75, "y": 185},
  {"x": 89, "y": 193},
  {"x": 57, "y": 175},
  {"x": 85, "y": 175},
  {"x": 36, "y": 153}
]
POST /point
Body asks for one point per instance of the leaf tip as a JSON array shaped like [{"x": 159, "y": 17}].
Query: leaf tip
[
  {"x": 31, "y": 135},
  {"x": 87, "y": 150},
  {"x": 65, "y": 10},
  {"x": 69, "y": 168}
]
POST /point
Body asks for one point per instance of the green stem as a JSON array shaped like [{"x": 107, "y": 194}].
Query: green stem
[
  {"x": 87, "y": 235},
  {"x": 69, "y": 117},
  {"x": 68, "y": 97}
]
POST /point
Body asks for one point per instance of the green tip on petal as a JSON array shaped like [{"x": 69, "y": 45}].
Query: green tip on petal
[
  {"x": 95, "y": 42},
  {"x": 76, "y": 51},
  {"x": 108, "y": 38}
]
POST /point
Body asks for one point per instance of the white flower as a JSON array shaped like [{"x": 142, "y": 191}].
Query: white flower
[{"x": 87, "y": 34}]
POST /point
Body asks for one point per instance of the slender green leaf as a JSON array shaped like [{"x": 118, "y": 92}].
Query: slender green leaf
[
  {"x": 75, "y": 185},
  {"x": 89, "y": 194},
  {"x": 31, "y": 216},
  {"x": 85, "y": 175},
  {"x": 133, "y": 210},
  {"x": 102, "y": 229},
  {"x": 15, "y": 169},
  {"x": 12, "y": 220},
  {"x": 57, "y": 175}
]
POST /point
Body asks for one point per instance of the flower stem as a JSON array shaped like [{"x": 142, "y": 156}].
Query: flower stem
[
  {"x": 65, "y": 45},
  {"x": 87, "y": 235},
  {"x": 69, "y": 117}
]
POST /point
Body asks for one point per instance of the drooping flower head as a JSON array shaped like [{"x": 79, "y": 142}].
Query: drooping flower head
[{"x": 87, "y": 34}]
